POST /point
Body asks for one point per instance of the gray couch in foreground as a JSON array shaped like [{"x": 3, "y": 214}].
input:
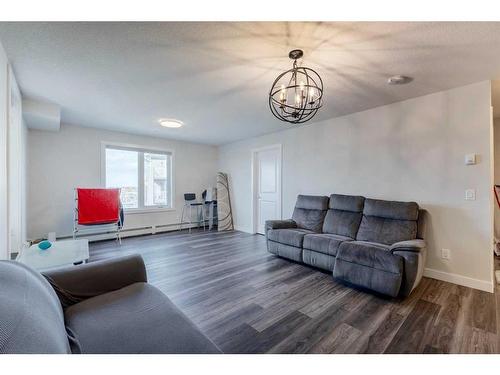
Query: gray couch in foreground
[
  {"x": 373, "y": 244},
  {"x": 100, "y": 307}
]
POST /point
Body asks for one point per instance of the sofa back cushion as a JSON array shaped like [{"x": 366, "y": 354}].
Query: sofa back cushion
[
  {"x": 344, "y": 215},
  {"x": 310, "y": 211},
  {"x": 31, "y": 316},
  {"x": 388, "y": 222}
]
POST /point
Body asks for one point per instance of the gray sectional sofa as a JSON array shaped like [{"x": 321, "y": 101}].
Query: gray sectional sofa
[
  {"x": 98, "y": 308},
  {"x": 370, "y": 243}
]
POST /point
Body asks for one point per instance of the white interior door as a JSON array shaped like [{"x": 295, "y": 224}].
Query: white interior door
[{"x": 268, "y": 186}]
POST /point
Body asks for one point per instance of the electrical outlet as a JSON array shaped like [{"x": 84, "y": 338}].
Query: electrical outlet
[{"x": 445, "y": 254}]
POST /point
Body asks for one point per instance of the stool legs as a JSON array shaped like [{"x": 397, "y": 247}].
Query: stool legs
[
  {"x": 199, "y": 219},
  {"x": 203, "y": 215},
  {"x": 190, "y": 218},
  {"x": 182, "y": 218}
]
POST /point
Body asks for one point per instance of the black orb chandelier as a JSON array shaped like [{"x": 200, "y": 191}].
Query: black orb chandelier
[{"x": 297, "y": 94}]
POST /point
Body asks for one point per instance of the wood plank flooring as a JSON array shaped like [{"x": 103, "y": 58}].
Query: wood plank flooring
[{"x": 250, "y": 301}]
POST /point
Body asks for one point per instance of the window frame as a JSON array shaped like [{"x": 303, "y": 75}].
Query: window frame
[{"x": 141, "y": 150}]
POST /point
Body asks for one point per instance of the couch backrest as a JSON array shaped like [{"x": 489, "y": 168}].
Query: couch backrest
[
  {"x": 31, "y": 317},
  {"x": 344, "y": 215},
  {"x": 310, "y": 211},
  {"x": 388, "y": 222}
]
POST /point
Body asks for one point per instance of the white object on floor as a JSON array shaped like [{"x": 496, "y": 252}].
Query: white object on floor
[
  {"x": 60, "y": 254},
  {"x": 497, "y": 276}
]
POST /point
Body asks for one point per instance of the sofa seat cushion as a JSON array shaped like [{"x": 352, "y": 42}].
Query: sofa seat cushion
[
  {"x": 136, "y": 319},
  {"x": 324, "y": 243},
  {"x": 372, "y": 255},
  {"x": 291, "y": 237}
]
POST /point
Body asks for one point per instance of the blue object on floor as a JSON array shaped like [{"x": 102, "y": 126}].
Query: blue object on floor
[{"x": 44, "y": 245}]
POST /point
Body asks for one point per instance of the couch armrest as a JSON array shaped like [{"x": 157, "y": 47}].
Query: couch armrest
[
  {"x": 75, "y": 284},
  {"x": 280, "y": 224},
  {"x": 414, "y": 254},
  {"x": 410, "y": 245}
]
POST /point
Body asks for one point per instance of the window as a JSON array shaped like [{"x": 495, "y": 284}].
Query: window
[{"x": 144, "y": 176}]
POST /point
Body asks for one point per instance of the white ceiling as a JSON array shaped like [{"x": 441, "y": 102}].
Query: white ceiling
[{"x": 215, "y": 77}]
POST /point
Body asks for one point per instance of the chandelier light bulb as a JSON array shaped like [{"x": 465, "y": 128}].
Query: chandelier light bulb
[
  {"x": 297, "y": 99},
  {"x": 283, "y": 94}
]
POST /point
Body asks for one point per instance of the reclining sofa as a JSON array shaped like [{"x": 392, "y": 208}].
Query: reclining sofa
[
  {"x": 100, "y": 307},
  {"x": 369, "y": 243}
]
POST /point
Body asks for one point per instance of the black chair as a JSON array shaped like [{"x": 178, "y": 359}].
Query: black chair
[{"x": 190, "y": 202}]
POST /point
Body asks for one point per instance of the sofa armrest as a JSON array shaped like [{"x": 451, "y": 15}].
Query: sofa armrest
[
  {"x": 75, "y": 284},
  {"x": 280, "y": 224},
  {"x": 410, "y": 245},
  {"x": 414, "y": 254}
]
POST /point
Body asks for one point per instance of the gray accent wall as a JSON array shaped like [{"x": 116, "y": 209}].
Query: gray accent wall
[{"x": 408, "y": 151}]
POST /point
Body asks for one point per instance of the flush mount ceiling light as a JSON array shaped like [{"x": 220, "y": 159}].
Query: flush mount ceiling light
[
  {"x": 399, "y": 80},
  {"x": 296, "y": 95},
  {"x": 170, "y": 123}
]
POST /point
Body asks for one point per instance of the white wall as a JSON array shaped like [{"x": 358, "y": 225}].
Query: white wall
[
  {"x": 61, "y": 161},
  {"x": 411, "y": 150},
  {"x": 3, "y": 155}
]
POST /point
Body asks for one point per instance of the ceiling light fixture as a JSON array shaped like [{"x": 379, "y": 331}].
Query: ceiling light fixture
[
  {"x": 170, "y": 123},
  {"x": 297, "y": 94},
  {"x": 399, "y": 80}
]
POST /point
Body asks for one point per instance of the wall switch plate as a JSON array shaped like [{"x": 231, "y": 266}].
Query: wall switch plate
[
  {"x": 470, "y": 194},
  {"x": 470, "y": 159},
  {"x": 445, "y": 254}
]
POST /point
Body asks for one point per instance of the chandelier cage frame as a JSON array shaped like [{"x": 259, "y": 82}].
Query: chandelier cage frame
[{"x": 308, "y": 92}]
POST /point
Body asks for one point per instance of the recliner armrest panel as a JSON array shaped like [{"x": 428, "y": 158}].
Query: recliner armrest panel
[
  {"x": 73, "y": 284},
  {"x": 280, "y": 224},
  {"x": 416, "y": 245}
]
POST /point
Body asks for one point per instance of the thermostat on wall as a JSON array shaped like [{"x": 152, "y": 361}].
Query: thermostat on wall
[{"x": 470, "y": 159}]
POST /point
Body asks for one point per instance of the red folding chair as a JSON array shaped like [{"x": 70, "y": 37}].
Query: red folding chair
[{"x": 97, "y": 207}]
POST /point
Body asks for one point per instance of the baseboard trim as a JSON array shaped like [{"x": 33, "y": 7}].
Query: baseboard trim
[
  {"x": 459, "y": 279},
  {"x": 243, "y": 229}
]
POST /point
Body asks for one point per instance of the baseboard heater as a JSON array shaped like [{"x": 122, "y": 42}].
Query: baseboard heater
[{"x": 131, "y": 232}]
